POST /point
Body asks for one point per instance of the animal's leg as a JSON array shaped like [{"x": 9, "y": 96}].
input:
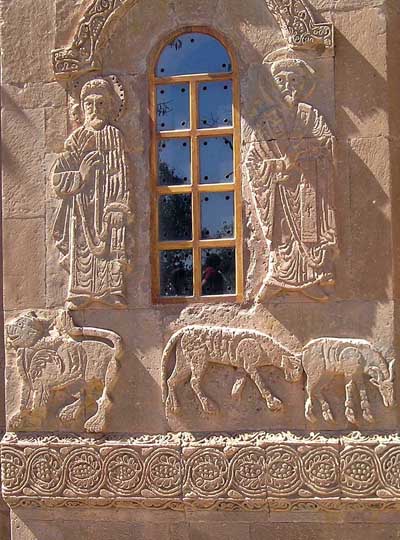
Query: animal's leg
[
  {"x": 326, "y": 410},
  {"x": 237, "y": 389},
  {"x": 97, "y": 423},
  {"x": 199, "y": 366},
  {"x": 70, "y": 412},
  {"x": 179, "y": 375},
  {"x": 349, "y": 403},
  {"x": 273, "y": 403},
  {"x": 308, "y": 409},
  {"x": 364, "y": 401}
]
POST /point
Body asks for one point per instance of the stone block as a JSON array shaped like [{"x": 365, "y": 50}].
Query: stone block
[
  {"x": 24, "y": 268},
  {"x": 22, "y": 163}
]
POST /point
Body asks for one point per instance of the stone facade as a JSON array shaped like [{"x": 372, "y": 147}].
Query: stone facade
[{"x": 273, "y": 414}]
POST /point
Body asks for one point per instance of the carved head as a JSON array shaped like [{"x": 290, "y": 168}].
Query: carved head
[
  {"x": 294, "y": 79},
  {"x": 96, "y": 103},
  {"x": 24, "y": 331},
  {"x": 293, "y": 75},
  {"x": 382, "y": 377},
  {"x": 292, "y": 367}
]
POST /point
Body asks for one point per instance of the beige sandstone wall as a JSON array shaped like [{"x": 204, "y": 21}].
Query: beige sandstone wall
[{"x": 357, "y": 94}]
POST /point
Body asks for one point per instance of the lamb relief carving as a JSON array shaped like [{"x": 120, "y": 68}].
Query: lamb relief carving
[
  {"x": 246, "y": 350},
  {"x": 55, "y": 354},
  {"x": 353, "y": 359},
  {"x": 291, "y": 173},
  {"x": 92, "y": 181}
]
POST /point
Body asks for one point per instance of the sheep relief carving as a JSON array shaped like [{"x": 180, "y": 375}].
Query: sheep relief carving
[
  {"x": 321, "y": 360},
  {"x": 54, "y": 354}
]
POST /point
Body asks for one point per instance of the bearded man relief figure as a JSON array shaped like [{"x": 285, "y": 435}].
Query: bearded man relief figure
[
  {"x": 291, "y": 172},
  {"x": 91, "y": 179}
]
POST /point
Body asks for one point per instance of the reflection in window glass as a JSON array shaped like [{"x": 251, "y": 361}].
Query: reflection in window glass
[
  {"x": 193, "y": 53},
  {"x": 217, "y": 215},
  {"x": 218, "y": 271},
  {"x": 215, "y": 104},
  {"x": 175, "y": 217},
  {"x": 216, "y": 159},
  {"x": 176, "y": 273},
  {"x": 173, "y": 162},
  {"x": 173, "y": 107}
]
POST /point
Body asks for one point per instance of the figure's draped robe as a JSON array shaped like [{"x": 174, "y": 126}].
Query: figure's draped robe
[
  {"x": 295, "y": 207},
  {"x": 93, "y": 250}
]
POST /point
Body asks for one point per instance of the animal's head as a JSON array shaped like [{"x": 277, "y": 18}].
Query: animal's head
[
  {"x": 24, "y": 331},
  {"x": 292, "y": 367},
  {"x": 381, "y": 376}
]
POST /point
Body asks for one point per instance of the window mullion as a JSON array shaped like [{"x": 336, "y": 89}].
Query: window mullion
[{"x": 195, "y": 190}]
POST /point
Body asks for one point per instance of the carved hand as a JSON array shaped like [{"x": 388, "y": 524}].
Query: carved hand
[
  {"x": 117, "y": 219},
  {"x": 90, "y": 163}
]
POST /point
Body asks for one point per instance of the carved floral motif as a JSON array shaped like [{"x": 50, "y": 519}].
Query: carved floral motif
[{"x": 283, "y": 472}]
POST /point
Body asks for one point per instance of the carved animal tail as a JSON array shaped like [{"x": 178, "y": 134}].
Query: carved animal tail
[
  {"x": 87, "y": 332},
  {"x": 170, "y": 346}
]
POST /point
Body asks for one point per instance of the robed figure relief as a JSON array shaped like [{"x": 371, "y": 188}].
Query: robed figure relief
[
  {"x": 91, "y": 179},
  {"x": 291, "y": 173}
]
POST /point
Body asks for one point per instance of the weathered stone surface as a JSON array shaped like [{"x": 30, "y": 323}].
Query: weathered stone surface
[{"x": 192, "y": 436}]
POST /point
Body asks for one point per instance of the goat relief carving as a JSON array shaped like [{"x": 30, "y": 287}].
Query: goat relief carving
[
  {"x": 57, "y": 355},
  {"x": 249, "y": 350},
  {"x": 246, "y": 350},
  {"x": 353, "y": 359}
]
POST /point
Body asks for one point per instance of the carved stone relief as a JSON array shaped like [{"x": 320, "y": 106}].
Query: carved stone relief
[
  {"x": 295, "y": 20},
  {"x": 246, "y": 350},
  {"x": 247, "y": 471},
  {"x": 55, "y": 354},
  {"x": 354, "y": 360},
  {"x": 91, "y": 178},
  {"x": 321, "y": 360},
  {"x": 290, "y": 167}
]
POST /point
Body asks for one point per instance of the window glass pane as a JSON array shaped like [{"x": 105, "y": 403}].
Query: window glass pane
[
  {"x": 173, "y": 162},
  {"x": 173, "y": 107},
  {"x": 176, "y": 273},
  {"x": 217, "y": 215},
  {"x": 175, "y": 217},
  {"x": 218, "y": 271},
  {"x": 215, "y": 104},
  {"x": 216, "y": 159},
  {"x": 193, "y": 53}
]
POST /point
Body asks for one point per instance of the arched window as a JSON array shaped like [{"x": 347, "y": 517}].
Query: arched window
[{"x": 196, "y": 203}]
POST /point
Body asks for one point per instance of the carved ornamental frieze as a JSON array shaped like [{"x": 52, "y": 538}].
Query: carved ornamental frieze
[{"x": 248, "y": 471}]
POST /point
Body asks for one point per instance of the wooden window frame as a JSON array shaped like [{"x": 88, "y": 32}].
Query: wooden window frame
[{"x": 196, "y": 188}]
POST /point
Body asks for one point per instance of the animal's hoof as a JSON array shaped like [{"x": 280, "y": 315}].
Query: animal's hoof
[
  {"x": 275, "y": 404},
  {"x": 94, "y": 426},
  {"x": 349, "y": 414},
  {"x": 310, "y": 417},
  {"x": 328, "y": 417},
  {"x": 16, "y": 422},
  {"x": 368, "y": 417},
  {"x": 210, "y": 407}
]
